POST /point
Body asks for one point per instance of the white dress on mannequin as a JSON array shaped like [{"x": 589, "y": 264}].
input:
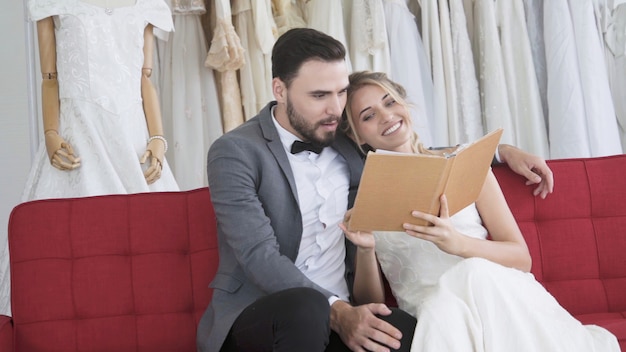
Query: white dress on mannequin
[
  {"x": 409, "y": 65},
  {"x": 475, "y": 305},
  {"x": 99, "y": 61},
  {"x": 191, "y": 110}
]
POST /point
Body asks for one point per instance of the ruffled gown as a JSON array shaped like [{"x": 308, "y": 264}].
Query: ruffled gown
[{"x": 476, "y": 305}]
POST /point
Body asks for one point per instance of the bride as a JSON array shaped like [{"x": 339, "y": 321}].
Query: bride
[{"x": 467, "y": 293}]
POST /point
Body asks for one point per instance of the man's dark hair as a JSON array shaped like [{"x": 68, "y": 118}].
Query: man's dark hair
[{"x": 299, "y": 45}]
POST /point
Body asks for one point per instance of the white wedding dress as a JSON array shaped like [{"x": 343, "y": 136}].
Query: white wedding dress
[
  {"x": 477, "y": 305},
  {"x": 99, "y": 62}
]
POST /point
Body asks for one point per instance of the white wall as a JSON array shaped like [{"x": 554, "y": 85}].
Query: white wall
[{"x": 15, "y": 153}]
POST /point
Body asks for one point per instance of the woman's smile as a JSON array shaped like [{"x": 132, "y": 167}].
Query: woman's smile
[{"x": 393, "y": 128}]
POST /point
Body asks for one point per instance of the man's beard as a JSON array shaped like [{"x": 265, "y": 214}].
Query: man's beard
[{"x": 307, "y": 131}]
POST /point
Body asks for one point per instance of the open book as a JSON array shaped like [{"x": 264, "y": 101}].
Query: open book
[{"x": 394, "y": 184}]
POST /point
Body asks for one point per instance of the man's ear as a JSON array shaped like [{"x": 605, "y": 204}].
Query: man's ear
[{"x": 279, "y": 89}]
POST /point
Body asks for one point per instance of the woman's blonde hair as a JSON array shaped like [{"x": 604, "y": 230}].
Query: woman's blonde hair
[{"x": 361, "y": 79}]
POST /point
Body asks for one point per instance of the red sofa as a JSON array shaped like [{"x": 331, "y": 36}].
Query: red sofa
[{"x": 131, "y": 272}]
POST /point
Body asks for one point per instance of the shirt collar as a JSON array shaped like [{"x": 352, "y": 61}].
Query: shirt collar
[{"x": 286, "y": 138}]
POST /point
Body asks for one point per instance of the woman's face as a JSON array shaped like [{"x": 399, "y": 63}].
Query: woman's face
[{"x": 379, "y": 120}]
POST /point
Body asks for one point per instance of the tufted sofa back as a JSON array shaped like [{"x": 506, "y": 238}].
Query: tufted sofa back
[
  {"x": 577, "y": 236},
  {"x": 112, "y": 273}
]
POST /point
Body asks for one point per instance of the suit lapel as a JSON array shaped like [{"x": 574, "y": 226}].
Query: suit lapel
[
  {"x": 274, "y": 144},
  {"x": 342, "y": 144}
]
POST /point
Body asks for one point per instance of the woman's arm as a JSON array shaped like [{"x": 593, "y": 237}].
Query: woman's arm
[
  {"x": 368, "y": 283},
  {"x": 507, "y": 245},
  {"x": 533, "y": 167}
]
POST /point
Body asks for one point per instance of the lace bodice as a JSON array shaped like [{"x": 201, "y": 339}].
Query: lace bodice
[{"x": 100, "y": 51}]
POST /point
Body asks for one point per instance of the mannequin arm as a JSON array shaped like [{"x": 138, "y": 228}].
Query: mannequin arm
[
  {"x": 157, "y": 146},
  {"x": 59, "y": 151}
]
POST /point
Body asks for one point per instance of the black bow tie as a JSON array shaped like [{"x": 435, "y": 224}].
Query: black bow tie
[{"x": 300, "y": 146}]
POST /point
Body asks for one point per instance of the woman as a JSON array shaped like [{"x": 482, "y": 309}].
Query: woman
[{"x": 468, "y": 293}]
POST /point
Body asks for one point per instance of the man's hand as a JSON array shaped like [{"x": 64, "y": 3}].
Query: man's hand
[
  {"x": 533, "y": 167},
  {"x": 361, "y": 330}
]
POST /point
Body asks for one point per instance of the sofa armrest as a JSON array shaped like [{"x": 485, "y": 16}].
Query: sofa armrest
[{"x": 6, "y": 333}]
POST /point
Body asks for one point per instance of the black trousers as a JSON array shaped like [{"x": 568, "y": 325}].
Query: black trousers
[{"x": 297, "y": 319}]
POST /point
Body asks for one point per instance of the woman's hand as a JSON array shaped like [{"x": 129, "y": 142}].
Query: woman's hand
[
  {"x": 361, "y": 239},
  {"x": 533, "y": 167},
  {"x": 443, "y": 233}
]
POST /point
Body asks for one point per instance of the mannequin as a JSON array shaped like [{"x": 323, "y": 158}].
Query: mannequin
[
  {"x": 60, "y": 151},
  {"x": 100, "y": 104}
]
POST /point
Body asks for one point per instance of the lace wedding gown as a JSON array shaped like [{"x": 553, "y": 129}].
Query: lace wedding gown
[
  {"x": 99, "y": 63},
  {"x": 475, "y": 304}
]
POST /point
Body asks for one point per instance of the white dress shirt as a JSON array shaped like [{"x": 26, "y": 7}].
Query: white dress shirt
[{"x": 322, "y": 183}]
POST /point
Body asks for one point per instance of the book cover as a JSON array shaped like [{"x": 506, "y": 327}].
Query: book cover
[{"x": 394, "y": 184}]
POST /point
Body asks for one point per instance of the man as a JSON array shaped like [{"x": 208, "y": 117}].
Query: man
[{"x": 285, "y": 271}]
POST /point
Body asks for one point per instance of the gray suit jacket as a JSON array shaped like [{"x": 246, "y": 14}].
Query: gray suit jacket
[{"x": 259, "y": 222}]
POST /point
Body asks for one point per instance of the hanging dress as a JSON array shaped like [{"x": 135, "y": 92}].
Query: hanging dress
[
  {"x": 287, "y": 16},
  {"x": 326, "y": 16},
  {"x": 257, "y": 31},
  {"x": 566, "y": 121},
  {"x": 534, "y": 25},
  {"x": 432, "y": 39},
  {"x": 226, "y": 57},
  {"x": 490, "y": 70},
  {"x": 409, "y": 66},
  {"x": 600, "y": 118},
  {"x": 368, "y": 45},
  {"x": 469, "y": 125},
  {"x": 529, "y": 126},
  {"x": 615, "y": 50},
  {"x": 192, "y": 118}
]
